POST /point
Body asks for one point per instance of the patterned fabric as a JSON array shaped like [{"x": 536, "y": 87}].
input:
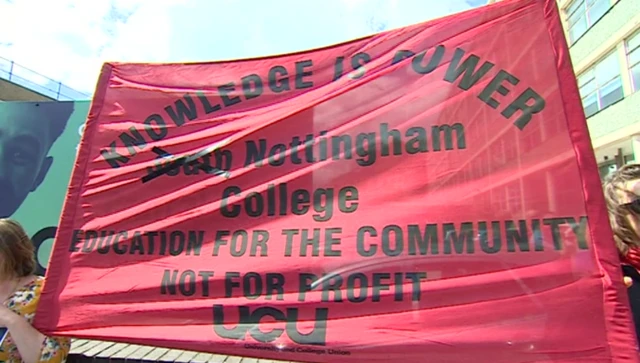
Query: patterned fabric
[
  {"x": 632, "y": 257},
  {"x": 24, "y": 302}
]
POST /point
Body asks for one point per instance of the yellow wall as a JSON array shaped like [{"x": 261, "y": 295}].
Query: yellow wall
[{"x": 12, "y": 92}]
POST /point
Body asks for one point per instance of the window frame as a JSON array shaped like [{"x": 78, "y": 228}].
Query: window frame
[
  {"x": 628, "y": 52},
  {"x": 584, "y": 9},
  {"x": 591, "y": 72}
]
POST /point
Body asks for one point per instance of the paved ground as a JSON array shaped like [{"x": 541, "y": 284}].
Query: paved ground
[{"x": 94, "y": 351}]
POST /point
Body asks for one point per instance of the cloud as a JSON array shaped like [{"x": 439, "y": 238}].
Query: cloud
[{"x": 69, "y": 40}]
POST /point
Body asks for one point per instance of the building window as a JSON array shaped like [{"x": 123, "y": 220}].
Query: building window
[
  {"x": 633, "y": 56},
  {"x": 601, "y": 85},
  {"x": 582, "y": 14}
]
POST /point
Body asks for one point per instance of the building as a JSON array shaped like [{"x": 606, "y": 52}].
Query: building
[
  {"x": 604, "y": 39},
  {"x": 604, "y": 42},
  {"x": 18, "y": 83}
]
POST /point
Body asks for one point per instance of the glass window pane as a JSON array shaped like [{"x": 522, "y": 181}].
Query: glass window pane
[
  {"x": 635, "y": 77},
  {"x": 578, "y": 30},
  {"x": 597, "y": 9},
  {"x": 607, "y": 69},
  {"x": 578, "y": 22},
  {"x": 591, "y": 3},
  {"x": 590, "y": 110},
  {"x": 574, "y": 34},
  {"x": 611, "y": 93},
  {"x": 634, "y": 57},
  {"x": 577, "y": 5},
  {"x": 586, "y": 77},
  {"x": 590, "y": 104},
  {"x": 633, "y": 42},
  {"x": 576, "y": 18},
  {"x": 592, "y": 98},
  {"x": 588, "y": 88},
  {"x": 596, "y": 14}
]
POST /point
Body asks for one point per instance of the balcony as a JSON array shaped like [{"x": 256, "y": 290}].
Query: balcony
[{"x": 36, "y": 82}]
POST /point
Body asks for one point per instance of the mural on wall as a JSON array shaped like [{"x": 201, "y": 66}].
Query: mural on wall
[{"x": 38, "y": 144}]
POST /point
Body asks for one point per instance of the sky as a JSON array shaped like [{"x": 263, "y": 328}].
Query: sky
[{"x": 69, "y": 40}]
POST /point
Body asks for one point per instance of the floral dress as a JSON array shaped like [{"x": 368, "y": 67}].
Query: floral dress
[{"x": 24, "y": 302}]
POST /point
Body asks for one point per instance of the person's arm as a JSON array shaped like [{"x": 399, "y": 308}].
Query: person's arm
[
  {"x": 27, "y": 339},
  {"x": 33, "y": 346}
]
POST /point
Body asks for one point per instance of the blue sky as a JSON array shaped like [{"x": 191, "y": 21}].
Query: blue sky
[{"x": 68, "y": 40}]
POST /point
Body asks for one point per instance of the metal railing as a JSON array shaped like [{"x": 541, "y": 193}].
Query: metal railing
[{"x": 13, "y": 72}]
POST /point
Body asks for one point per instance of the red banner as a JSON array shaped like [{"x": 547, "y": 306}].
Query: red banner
[{"x": 427, "y": 194}]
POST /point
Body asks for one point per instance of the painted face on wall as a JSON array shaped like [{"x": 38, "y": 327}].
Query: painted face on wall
[{"x": 25, "y": 140}]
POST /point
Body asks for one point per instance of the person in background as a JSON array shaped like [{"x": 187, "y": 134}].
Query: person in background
[
  {"x": 27, "y": 132},
  {"x": 622, "y": 195},
  {"x": 20, "y": 292}
]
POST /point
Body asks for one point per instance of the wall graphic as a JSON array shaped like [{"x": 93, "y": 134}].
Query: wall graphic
[{"x": 38, "y": 143}]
